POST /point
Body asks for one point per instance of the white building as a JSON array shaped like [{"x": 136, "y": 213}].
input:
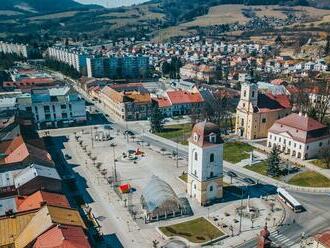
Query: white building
[
  {"x": 54, "y": 106},
  {"x": 205, "y": 168},
  {"x": 298, "y": 136},
  {"x": 15, "y": 48}
]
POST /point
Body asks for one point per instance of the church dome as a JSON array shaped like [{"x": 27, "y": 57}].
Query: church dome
[{"x": 206, "y": 133}]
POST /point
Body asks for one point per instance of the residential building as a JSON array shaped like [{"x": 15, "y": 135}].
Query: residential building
[
  {"x": 256, "y": 112},
  {"x": 299, "y": 136},
  {"x": 127, "y": 102},
  {"x": 54, "y": 107},
  {"x": 31, "y": 228},
  {"x": 37, "y": 177},
  {"x": 179, "y": 102},
  {"x": 95, "y": 67},
  {"x": 15, "y": 48},
  {"x": 205, "y": 163},
  {"x": 204, "y": 73}
]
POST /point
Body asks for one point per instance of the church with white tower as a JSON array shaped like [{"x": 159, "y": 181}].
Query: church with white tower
[{"x": 205, "y": 168}]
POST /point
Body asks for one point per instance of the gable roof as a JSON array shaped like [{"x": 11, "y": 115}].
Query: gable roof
[
  {"x": 301, "y": 122},
  {"x": 269, "y": 102},
  {"x": 182, "y": 97},
  {"x": 36, "y": 201},
  {"x": 12, "y": 226},
  {"x": 46, "y": 218},
  {"x": 62, "y": 236}
]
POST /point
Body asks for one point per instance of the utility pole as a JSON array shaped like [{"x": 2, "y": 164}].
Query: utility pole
[
  {"x": 114, "y": 164},
  {"x": 177, "y": 152},
  {"x": 240, "y": 215},
  {"x": 92, "y": 137}
]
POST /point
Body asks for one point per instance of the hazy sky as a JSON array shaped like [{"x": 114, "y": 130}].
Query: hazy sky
[{"x": 112, "y": 3}]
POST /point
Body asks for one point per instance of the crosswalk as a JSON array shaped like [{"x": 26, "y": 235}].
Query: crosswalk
[{"x": 283, "y": 241}]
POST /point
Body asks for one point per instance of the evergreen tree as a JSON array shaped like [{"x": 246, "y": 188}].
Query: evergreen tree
[
  {"x": 156, "y": 119},
  {"x": 327, "y": 47},
  {"x": 273, "y": 162}
]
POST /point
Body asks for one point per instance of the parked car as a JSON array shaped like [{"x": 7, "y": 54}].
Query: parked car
[{"x": 128, "y": 132}]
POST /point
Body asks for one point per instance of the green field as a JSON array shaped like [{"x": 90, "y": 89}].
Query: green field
[
  {"x": 260, "y": 168},
  {"x": 234, "y": 152},
  {"x": 198, "y": 230},
  {"x": 310, "y": 179},
  {"x": 178, "y": 133}
]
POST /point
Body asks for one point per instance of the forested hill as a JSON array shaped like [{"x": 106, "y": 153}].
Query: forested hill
[
  {"x": 185, "y": 10},
  {"x": 41, "y": 6}
]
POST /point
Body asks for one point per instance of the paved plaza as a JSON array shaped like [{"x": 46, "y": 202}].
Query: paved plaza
[{"x": 95, "y": 161}]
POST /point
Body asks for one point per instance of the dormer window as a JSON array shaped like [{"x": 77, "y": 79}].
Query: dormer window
[
  {"x": 213, "y": 138},
  {"x": 195, "y": 137}
]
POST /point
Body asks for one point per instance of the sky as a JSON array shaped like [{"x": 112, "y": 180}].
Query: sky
[{"x": 111, "y": 3}]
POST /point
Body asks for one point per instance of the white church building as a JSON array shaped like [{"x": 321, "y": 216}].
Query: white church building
[{"x": 205, "y": 168}]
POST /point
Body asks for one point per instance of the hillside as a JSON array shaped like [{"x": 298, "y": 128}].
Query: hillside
[
  {"x": 26, "y": 20},
  {"x": 40, "y": 6}
]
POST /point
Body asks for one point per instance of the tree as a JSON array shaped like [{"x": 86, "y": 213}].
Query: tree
[
  {"x": 156, "y": 119},
  {"x": 273, "y": 162},
  {"x": 324, "y": 156},
  {"x": 327, "y": 46}
]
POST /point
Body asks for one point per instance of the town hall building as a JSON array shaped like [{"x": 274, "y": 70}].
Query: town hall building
[{"x": 205, "y": 168}]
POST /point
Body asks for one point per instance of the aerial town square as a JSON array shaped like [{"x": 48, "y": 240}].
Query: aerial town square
[{"x": 164, "y": 123}]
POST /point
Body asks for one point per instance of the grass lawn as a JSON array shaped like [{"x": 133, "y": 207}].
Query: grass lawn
[
  {"x": 234, "y": 152},
  {"x": 310, "y": 179},
  {"x": 179, "y": 132},
  {"x": 319, "y": 163},
  {"x": 260, "y": 168},
  {"x": 184, "y": 177},
  {"x": 198, "y": 230}
]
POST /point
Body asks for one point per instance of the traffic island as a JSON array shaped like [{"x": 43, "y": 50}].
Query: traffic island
[{"x": 198, "y": 231}]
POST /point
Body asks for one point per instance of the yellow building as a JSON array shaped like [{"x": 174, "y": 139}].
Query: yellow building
[{"x": 256, "y": 112}]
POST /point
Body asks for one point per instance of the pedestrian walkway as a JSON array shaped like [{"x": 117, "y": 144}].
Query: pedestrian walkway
[{"x": 281, "y": 240}]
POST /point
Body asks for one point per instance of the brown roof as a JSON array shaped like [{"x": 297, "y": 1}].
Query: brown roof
[
  {"x": 324, "y": 238},
  {"x": 62, "y": 236},
  {"x": 301, "y": 122},
  {"x": 300, "y": 128},
  {"x": 46, "y": 218},
  {"x": 204, "y": 130},
  {"x": 36, "y": 200}
]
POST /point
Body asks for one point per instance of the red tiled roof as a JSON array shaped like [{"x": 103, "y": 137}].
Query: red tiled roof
[
  {"x": 36, "y": 80},
  {"x": 182, "y": 97},
  {"x": 300, "y": 122},
  {"x": 269, "y": 102},
  {"x": 163, "y": 102},
  {"x": 62, "y": 236},
  {"x": 36, "y": 200},
  {"x": 324, "y": 238}
]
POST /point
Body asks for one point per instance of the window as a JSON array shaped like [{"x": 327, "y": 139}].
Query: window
[
  {"x": 243, "y": 105},
  {"x": 196, "y": 156},
  {"x": 46, "y": 108},
  {"x": 279, "y": 139},
  {"x": 307, "y": 147},
  {"x": 28, "y": 109},
  {"x": 263, "y": 120},
  {"x": 213, "y": 138},
  {"x": 253, "y": 94},
  {"x": 195, "y": 137},
  {"x": 211, "y": 174},
  {"x": 211, "y": 188},
  {"x": 320, "y": 144},
  {"x": 244, "y": 94},
  {"x": 242, "y": 122},
  {"x": 212, "y": 157},
  {"x": 64, "y": 115},
  {"x": 194, "y": 186},
  {"x": 63, "y": 106},
  {"x": 270, "y": 136}
]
